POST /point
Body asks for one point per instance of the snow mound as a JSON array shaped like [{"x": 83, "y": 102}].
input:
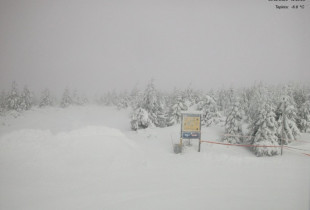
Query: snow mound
[
  {"x": 67, "y": 159},
  {"x": 51, "y": 164},
  {"x": 92, "y": 143}
]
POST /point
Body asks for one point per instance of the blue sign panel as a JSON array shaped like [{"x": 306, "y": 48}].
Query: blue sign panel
[{"x": 191, "y": 135}]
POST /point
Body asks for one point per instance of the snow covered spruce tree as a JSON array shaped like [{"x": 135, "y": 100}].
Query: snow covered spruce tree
[
  {"x": 177, "y": 106},
  {"x": 12, "y": 101},
  {"x": 66, "y": 99},
  {"x": 135, "y": 97},
  {"x": 189, "y": 96},
  {"x": 152, "y": 103},
  {"x": 264, "y": 132},
  {"x": 124, "y": 100},
  {"x": 302, "y": 102},
  {"x": 233, "y": 129},
  {"x": 224, "y": 99},
  {"x": 26, "y": 100},
  {"x": 110, "y": 98},
  {"x": 286, "y": 117},
  {"x": 2, "y": 102},
  {"x": 304, "y": 117},
  {"x": 245, "y": 97},
  {"x": 46, "y": 99},
  {"x": 77, "y": 99},
  {"x": 258, "y": 95},
  {"x": 210, "y": 113}
]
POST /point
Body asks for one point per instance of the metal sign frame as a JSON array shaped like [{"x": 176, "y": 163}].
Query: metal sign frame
[{"x": 191, "y": 127}]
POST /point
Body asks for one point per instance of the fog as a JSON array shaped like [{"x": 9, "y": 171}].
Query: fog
[{"x": 104, "y": 45}]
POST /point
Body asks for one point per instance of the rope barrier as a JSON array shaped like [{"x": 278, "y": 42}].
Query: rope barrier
[
  {"x": 297, "y": 148},
  {"x": 279, "y": 138},
  {"x": 239, "y": 145},
  {"x": 250, "y": 145},
  {"x": 288, "y": 148}
]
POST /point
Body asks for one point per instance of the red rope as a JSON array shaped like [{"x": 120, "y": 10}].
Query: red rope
[
  {"x": 238, "y": 145},
  {"x": 249, "y": 145},
  {"x": 254, "y": 136},
  {"x": 297, "y": 151},
  {"x": 297, "y": 148}
]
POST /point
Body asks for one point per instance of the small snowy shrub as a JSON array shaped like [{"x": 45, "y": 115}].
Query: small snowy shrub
[{"x": 139, "y": 119}]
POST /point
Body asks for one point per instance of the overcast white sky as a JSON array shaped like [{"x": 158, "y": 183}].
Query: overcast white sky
[{"x": 98, "y": 45}]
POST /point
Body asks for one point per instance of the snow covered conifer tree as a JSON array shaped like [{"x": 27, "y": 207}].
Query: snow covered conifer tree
[
  {"x": 299, "y": 96},
  {"x": 233, "y": 129},
  {"x": 26, "y": 100},
  {"x": 302, "y": 102},
  {"x": 224, "y": 99},
  {"x": 13, "y": 98},
  {"x": 264, "y": 132},
  {"x": 135, "y": 97},
  {"x": 76, "y": 100},
  {"x": 46, "y": 99},
  {"x": 177, "y": 106},
  {"x": 152, "y": 103},
  {"x": 2, "y": 102},
  {"x": 189, "y": 96},
  {"x": 286, "y": 116},
  {"x": 161, "y": 116},
  {"x": 245, "y": 100},
  {"x": 109, "y": 99},
  {"x": 210, "y": 115},
  {"x": 124, "y": 100},
  {"x": 304, "y": 117},
  {"x": 258, "y": 97},
  {"x": 66, "y": 99}
]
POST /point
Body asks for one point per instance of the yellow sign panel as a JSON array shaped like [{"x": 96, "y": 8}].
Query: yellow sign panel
[{"x": 191, "y": 123}]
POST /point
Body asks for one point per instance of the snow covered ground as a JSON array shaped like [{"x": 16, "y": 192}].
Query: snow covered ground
[{"x": 87, "y": 158}]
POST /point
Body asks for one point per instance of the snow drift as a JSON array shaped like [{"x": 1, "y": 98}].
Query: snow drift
[{"x": 88, "y": 160}]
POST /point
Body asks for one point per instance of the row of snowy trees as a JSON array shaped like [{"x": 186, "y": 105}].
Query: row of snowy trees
[
  {"x": 274, "y": 118},
  {"x": 266, "y": 114},
  {"x": 249, "y": 101},
  {"x": 17, "y": 100},
  {"x": 271, "y": 115}
]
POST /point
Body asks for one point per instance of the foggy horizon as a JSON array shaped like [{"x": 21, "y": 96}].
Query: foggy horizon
[{"x": 97, "y": 46}]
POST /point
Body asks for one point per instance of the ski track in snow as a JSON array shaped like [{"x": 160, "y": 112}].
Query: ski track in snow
[{"x": 87, "y": 158}]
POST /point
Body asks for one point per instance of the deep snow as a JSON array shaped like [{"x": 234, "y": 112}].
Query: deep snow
[{"x": 87, "y": 158}]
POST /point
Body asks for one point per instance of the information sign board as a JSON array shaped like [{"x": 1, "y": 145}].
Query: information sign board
[{"x": 191, "y": 127}]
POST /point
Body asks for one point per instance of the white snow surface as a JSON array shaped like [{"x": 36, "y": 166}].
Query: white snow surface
[{"x": 87, "y": 158}]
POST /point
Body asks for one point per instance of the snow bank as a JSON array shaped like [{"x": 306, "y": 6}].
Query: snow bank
[
  {"x": 87, "y": 158},
  {"x": 37, "y": 165},
  {"x": 89, "y": 142}
]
